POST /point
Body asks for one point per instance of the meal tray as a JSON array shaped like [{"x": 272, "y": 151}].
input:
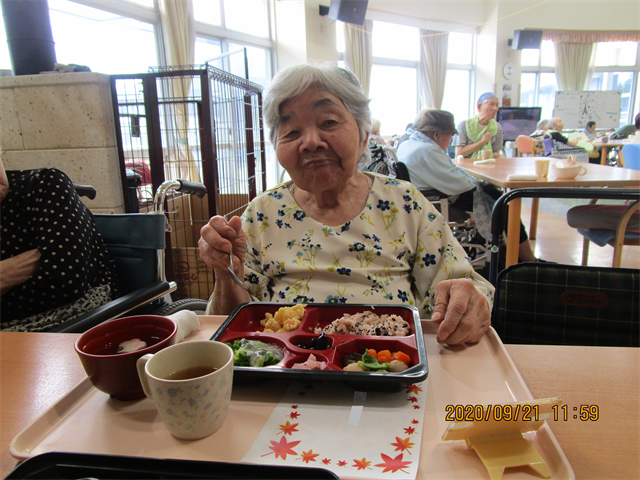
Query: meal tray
[
  {"x": 86, "y": 420},
  {"x": 244, "y": 322},
  {"x": 64, "y": 465}
]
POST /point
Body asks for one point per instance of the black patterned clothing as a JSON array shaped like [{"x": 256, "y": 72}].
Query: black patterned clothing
[{"x": 42, "y": 210}]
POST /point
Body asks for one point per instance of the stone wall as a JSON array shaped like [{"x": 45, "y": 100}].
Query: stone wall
[{"x": 63, "y": 120}]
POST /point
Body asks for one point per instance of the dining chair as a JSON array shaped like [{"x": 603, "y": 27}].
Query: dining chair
[
  {"x": 524, "y": 144},
  {"x": 554, "y": 304},
  {"x": 631, "y": 156},
  {"x": 615, "y": 225}
]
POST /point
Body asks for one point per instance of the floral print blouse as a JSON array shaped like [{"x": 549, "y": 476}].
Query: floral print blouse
[{"x": 396, "y": 251}]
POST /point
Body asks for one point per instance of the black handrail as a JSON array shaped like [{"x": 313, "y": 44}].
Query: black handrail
[{"x": 498, "y": 217}]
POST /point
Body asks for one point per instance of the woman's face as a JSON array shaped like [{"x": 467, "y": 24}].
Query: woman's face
[{"x": 318, "y": 141}]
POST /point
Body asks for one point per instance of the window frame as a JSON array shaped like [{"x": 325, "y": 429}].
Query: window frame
[
  {"x": 634, "y": 101},
  {"x": 397, "y": 62}
]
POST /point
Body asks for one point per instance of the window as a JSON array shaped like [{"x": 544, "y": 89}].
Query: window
[
  {"x": 395, "y": 41},
  {"x": 248, "y": 16},
  {"x": 615, "y": 68},
  {"x": 393, "y": 87},
  {"x": 457, "y": 90},
  {"x": 397, "y": 106},
  {"x": 457, "y": 94},
  {"x": 539, "y": 90},
  {"x": 538, "y": 84},
  {"x": 207, "y": 11},
  {"x": 131, "y": 47}
]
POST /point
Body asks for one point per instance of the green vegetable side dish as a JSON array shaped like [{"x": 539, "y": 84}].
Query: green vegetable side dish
[
  {"x": 371, "y": 363},
  {"x": 254, "y": 353}
]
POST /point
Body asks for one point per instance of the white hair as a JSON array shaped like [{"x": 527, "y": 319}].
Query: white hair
[
  {"x": 553, "y": 122},
  {"x": 293, "y": 81}
]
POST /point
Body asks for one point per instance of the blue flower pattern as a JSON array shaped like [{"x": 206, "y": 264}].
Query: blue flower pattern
[{"x": 394, "y": 251}]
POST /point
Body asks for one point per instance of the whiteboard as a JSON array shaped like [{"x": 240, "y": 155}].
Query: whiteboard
[{"x": 577, "y": 108}]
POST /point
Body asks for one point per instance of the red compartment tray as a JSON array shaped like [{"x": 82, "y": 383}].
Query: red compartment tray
[{"x": 244, "y": 322}]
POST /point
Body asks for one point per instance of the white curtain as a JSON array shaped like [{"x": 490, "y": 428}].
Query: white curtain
[
  {"x": 178, "y": 27},
  {"x": 592, "y": 68},
  {"x": 358, "y": 55},
  {"x": 432, "y": 68},
  {"x": 573, "y": 60}
]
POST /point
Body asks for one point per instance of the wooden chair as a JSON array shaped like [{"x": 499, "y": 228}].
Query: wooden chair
[
  {"x": 616, "y": 225},
  {"x": 525, "y": 145},
  {"x": 626, "y": 233}
]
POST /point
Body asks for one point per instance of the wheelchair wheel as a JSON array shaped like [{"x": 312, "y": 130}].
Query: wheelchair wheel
[{"x": 196, "y": 305}]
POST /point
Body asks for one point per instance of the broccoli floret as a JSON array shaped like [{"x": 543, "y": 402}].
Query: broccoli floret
[
  {"x": 241, "y": 358},
  {"x": 271, "y": 359},
  {"x": 252, "y": 353}
]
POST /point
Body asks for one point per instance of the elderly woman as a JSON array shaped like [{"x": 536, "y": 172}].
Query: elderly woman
[
  {"x": 55, "y": 265},
  {"x": 334, "y": 234},
  {"x": 481, "y": 132}
]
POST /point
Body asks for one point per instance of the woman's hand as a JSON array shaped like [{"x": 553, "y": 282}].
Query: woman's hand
[
  {"x": 486, "y": 138},
  {"x": 217, "y": 238},
  {"x": 16, "y": 270},
  {"x": 461, "y": 311}
]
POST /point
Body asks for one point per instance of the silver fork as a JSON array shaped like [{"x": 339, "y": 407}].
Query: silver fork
[{"x": 232, "y": 273}]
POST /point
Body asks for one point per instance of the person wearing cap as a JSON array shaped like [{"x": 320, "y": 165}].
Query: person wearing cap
[
  {"x": 334, "y": 233},
  {"x": 424, "y": 154},
  {"x": 480, "y": 132}
]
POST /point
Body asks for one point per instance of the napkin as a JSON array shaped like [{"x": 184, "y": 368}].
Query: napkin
[
  {"x": 372, "y": 435},
  {"x": 522, "y": 176},
  {"x": 489, "y": 161},
  {"x": 187, "y": 322}
]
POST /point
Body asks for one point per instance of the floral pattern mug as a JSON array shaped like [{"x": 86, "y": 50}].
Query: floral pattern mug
[{"x": 190, "y": 408}]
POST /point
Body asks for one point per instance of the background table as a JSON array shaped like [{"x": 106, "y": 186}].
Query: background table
[
  {"x": 605, "y": 150},
  {"x": 497, "y": 174},
  {"x": 37, "y": 369}
]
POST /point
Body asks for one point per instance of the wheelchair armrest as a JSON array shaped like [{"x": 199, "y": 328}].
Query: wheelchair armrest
[{"x": 116, "y": 308}]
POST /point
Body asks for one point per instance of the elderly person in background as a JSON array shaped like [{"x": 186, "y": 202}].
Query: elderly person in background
[
  {"x": 481, "y": 132},
  {"x": 540, "y": 134},
  {"x": 555, "y": 128},
  {"x": 375, "y": 132},
  {"x": 565, "y": 146},
  {"x": 636, "y": 137},
  {"x": 54, "y": 265},
  {"x": 334, "y": 234},
  {"x": 590, "y": 130},
  {"x": 424, "y": 154}
]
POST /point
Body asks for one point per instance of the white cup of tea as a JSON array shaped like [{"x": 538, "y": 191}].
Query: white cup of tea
[
  {"x": 542, "y": 166},
  {"x": 487, "y": 154},
  {"x": 190, "y": 384}
]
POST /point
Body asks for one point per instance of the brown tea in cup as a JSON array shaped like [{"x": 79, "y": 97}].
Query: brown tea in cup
[{"x": 191, "y": 372}]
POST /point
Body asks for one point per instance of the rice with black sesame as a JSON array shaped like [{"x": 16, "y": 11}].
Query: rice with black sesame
[{"x": 368, "y": 323}]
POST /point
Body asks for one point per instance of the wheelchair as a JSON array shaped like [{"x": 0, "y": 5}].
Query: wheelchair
[
  {"x": 460, "y": 222},
  {"x": 136, "y": 242}
]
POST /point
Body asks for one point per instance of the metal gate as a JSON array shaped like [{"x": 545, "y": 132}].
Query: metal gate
[{"x": 197, "y": 123}]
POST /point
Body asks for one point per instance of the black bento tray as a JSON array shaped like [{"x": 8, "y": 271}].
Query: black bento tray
[
  {"x": 62, "y": 465},
  {"x": 244, "y": 322}
]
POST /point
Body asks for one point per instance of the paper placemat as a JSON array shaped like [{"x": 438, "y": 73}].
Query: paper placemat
[{"x": 379, "y": 432}]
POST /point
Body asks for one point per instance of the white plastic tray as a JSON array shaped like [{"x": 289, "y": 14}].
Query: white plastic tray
[{"x": 89, "y": 421}]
